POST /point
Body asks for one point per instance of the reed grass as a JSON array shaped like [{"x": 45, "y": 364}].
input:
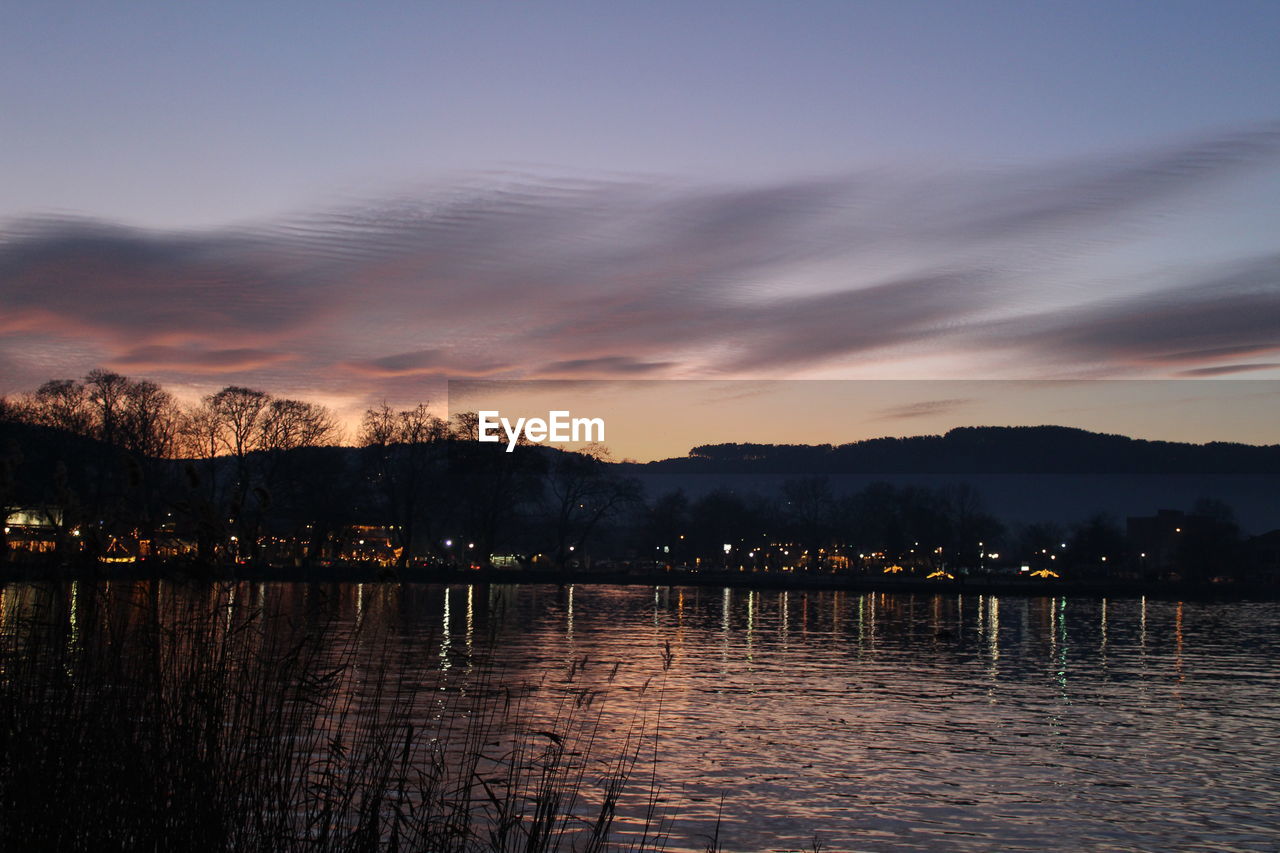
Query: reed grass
[{"x": 161, "y": 718}]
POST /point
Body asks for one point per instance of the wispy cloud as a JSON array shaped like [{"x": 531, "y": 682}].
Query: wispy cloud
[
  {"x": 196, "y": 360},
  {"x": 527, "y": 278},
  {"x": 922, "y": 409},
  {"x": 1227, "y": 369},
  {"x": 613, "y": 365},
  {"x": 1230, "y": 313}
]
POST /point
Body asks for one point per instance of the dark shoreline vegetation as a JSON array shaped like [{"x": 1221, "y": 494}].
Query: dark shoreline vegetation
[
  {"x": 191, "y": 717},
  {"x": 111, "y": 475}
]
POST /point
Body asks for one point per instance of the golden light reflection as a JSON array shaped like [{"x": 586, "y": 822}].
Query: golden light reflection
[
  {"x": 1177, "y": 637},
  {"x": 784, "y": 607},
  {"x": 725, "y": 604},
  {"x": 862, "y": 628},
  {"x": 871, "y": 622}
]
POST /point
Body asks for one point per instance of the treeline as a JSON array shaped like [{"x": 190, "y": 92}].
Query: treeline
[
  {"x": 109, "y": 458},
  {"x": 985, "y": 450}
]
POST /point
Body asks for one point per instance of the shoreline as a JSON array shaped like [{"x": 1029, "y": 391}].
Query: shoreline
[{"x": 355, "y": 573}]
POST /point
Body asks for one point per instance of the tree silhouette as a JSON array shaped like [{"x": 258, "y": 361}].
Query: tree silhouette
[{"x": 405, "y": 452}]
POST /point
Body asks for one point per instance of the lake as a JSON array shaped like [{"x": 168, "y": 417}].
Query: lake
[{"x": 865, "y": 721}]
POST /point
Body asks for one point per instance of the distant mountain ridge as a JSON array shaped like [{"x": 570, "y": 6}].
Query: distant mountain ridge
[{"x": 982, "y": 450}]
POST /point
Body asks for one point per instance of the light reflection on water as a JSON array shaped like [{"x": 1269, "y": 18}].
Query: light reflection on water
[
  {"x": 882, "y": 721},
  {"x": 946, "y": 722}
]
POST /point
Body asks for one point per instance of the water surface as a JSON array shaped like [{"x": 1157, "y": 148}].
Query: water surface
[{"x": 881, "y": 721}]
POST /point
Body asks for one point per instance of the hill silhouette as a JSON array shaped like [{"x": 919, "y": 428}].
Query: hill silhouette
[{"x": 981, "y": 450}]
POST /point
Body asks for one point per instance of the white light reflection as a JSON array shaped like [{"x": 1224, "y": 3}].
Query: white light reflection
[
  {"x": 1062, "y": 647},
  {"x": 1102, "y": 647},
  {"x": 231, "y": 604},
  {"x": 568, "y": 622},
  {"x": 1142, "y": 625},
  {"x": 74, "y": 641},
  {"x": 993, "y": 632},
  {"x": 471, "y": 619},
  {"x": 445, "y": 639}
]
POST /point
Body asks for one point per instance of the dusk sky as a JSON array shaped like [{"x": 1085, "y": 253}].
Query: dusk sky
[{"x": 357, "y": 202}]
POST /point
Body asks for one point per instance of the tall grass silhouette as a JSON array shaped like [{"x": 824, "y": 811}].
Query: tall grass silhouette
[{"x": 150, "y": 716}]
